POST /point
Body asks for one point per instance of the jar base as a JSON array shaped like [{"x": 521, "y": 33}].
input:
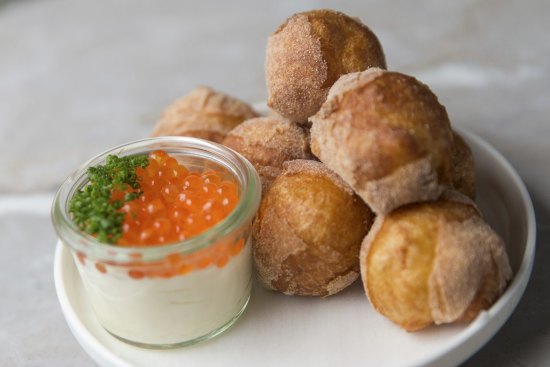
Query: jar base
[{"x": 196, "y": 340}]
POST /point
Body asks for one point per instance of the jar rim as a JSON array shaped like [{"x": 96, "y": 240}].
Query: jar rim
[{"x": 236, "y": 164}]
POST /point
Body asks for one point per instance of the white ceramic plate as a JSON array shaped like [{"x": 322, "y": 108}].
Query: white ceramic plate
[{"x": 343, "y": 330}]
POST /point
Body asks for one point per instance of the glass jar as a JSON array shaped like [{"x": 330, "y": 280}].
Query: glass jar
[{"x": 176, "y": 294}]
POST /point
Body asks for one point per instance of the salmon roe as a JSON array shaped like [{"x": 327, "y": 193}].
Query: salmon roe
[{"x": 175, "y": 204}]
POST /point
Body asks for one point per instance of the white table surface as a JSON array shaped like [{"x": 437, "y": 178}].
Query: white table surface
[{"x": 77, "y": 77}]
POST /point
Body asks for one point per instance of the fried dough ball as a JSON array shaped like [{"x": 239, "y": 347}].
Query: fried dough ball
[
  {"x": 308, "y": 231},
  {"x": 309, "y": 52},
  {"x": 435, "y": 262},
  {"x": 387, "y": 136},
  {"x": 203, "y": 113},
  {"x": 268, "y": 142},
  {"x": 463, "y": 176}
]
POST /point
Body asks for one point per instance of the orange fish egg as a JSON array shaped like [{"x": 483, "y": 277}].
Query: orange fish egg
[{"x": 177, "y": 204}]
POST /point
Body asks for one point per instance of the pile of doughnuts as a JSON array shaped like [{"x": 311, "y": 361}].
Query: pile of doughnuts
[{"x": 362, "y": 174}]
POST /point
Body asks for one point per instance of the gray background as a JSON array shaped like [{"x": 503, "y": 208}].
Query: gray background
[{"x": 77, "y": 77}]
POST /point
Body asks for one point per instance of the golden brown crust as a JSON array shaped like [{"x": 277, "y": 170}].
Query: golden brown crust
[
  {"x": 203, "y": 113},
  {"x": 387, "y": 135},
  {"x": 346, "y": 43},
  {"x": 463, "y": 167},
  {"x": 308, "y": 231},
  {"x": 436, "y": 262},
  {"x": 309, "y": 52},
  {"x": 267, "y": 143},
  {"x": 352, "y": 80},
  {"x": 267, "y": 175}
]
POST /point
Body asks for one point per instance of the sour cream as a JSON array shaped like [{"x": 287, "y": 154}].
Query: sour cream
[{"x": 164, "y": 312}]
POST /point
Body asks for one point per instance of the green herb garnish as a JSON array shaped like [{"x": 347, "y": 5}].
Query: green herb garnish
[{"x": 93, "y": 209}]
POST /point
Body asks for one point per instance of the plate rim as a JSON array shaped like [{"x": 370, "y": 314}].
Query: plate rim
[
  {"x": 486, "y": 321},
  {"x": 508, "y": 301}
]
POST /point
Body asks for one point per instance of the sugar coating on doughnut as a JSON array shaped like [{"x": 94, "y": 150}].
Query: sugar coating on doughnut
[
  {"x": 463, "y": 175},
  {"x": 267, "y": 141},
  {"x": 203, "y": 113},
  {"x": 386, "y": 135},
  {"x": 309, "y": 52},
  {"x": 435, "y": 262},
  {"x": 307, "y": 233}
]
